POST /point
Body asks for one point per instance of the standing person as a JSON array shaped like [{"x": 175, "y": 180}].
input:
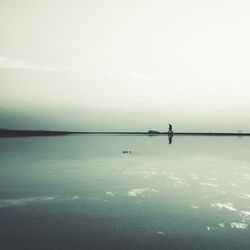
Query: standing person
[{"x": 170, "y": 131}]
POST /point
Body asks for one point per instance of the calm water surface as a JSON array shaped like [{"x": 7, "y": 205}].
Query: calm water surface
[{"x": 83, "y": 192}]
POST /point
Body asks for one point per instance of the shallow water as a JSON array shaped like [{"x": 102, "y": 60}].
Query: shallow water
[{"x": 83, "y": 192}]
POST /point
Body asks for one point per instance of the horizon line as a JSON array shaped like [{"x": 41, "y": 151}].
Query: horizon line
[{"x": 14, "y": 132}]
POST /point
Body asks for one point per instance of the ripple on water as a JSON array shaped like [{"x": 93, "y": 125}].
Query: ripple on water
[
  {"x": 228, "y": 206},
  {"x": 238, "y": 225},
  {"x": 208, "y": 184},
  {"x": 141, "y": 191}
]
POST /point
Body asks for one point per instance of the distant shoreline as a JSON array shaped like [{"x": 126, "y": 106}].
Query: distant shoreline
[{"x": 27, "y": 133}]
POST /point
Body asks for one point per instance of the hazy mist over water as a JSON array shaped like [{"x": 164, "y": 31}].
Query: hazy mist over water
[
  {"x": 86, "y": 119},
  {"x": 125, "y": 65}
]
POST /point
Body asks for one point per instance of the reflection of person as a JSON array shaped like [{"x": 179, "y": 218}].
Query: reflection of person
[{"x": 170, "y": 137}]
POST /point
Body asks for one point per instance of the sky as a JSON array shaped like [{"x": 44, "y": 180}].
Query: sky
[{"x": 125, "y": 65}]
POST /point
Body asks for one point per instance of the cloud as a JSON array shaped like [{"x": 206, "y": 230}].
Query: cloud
[
  {"x": 10, "y": 63},
  {"x": 13, "y": 63},
  {"x": 110, "y": 74},
  {"x": 138, "y": 76}
]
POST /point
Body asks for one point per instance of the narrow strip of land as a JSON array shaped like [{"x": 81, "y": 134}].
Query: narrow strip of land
[{"x": 23, "y": 133}]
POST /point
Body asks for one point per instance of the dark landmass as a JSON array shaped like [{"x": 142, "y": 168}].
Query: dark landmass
[
  {"x": 153, "y": 132},
  {"x": 23, "y": 133},
  {"x": 17, "y": 133}
]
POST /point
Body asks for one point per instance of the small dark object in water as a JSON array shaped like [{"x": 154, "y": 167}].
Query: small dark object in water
[{"x": 125, "y": 152}]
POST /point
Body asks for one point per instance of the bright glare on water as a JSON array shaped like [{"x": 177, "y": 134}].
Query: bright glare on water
[{"x": 83, "y": 192}]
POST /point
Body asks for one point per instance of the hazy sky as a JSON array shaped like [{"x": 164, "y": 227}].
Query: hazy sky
[{"x": 125, "y": 65}]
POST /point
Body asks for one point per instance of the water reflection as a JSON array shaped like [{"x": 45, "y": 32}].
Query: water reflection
[
  {"x": 198, "y": 187},
  {"x": 170, "y": 137}
]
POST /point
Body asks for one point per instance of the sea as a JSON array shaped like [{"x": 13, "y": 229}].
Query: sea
[{"x": 125, "y": 192}]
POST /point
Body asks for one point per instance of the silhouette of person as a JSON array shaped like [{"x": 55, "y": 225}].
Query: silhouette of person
[{"x": 170, "y": 129}]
